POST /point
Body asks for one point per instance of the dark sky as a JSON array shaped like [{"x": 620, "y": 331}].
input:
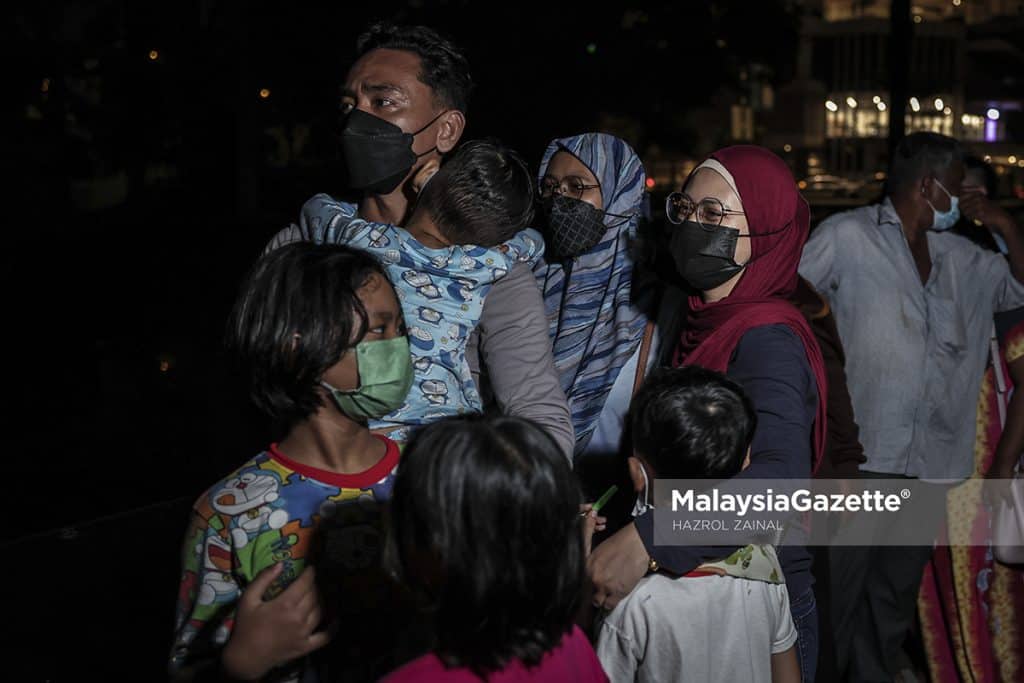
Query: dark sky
[{"x": 109, "y": 295}]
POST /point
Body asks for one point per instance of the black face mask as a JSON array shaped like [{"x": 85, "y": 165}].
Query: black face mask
[
  {"x": 704, "y": 257},
  {"x": 378, "y": 154},
  {"x": 574, "y": 227}
]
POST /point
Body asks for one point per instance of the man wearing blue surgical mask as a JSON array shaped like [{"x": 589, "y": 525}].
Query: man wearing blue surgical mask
[{"x": 913, "y": 302}]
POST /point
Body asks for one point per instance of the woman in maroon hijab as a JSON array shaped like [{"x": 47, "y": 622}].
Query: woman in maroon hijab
[{"x": 737, "y": 232}]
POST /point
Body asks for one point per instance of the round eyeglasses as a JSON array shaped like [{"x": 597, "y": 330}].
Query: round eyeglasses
[
  {"x": 709, "y": 211},
  {"x": 569, "y": 186}
]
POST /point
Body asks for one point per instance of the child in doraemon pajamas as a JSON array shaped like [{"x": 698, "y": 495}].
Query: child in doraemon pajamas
[
  {"x": 466, "y": 232},
  {"x": 335, "y": 356}
]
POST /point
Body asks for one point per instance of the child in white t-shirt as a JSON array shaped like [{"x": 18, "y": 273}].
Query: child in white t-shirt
[{"x": 729, "y": 620}]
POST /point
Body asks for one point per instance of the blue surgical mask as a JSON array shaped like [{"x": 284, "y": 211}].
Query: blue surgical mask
[
  {"x": 944, "y": 220},
  {"x": 1000, "y": 242}
]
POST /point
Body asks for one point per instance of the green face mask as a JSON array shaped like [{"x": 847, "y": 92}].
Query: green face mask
[{"x": 385, "y": 377}]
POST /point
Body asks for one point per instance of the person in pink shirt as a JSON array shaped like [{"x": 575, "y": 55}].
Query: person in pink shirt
[{"x": 486, "y": 526}]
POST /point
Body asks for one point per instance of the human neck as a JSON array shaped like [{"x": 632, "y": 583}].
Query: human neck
[
  {"x": 387, "y": 208},
  {"x": 422, "y": 226},
  {"x": 332, "y": 442},
  {"x": 909, "y": 219}
]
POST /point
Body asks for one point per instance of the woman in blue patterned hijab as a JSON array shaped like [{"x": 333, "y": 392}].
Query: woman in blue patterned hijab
[{"x": 592, "y": 187}]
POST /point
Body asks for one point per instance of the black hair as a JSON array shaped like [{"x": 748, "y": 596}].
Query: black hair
[
  {"x": 302, "y": 289},
  {"x": 482, "y": 194},
  {"x": 692, "y": 423},
  {"x": 444, "y": 68},
  {"x": 919, "y": 155},
  {"x": 485, "y": 521}
]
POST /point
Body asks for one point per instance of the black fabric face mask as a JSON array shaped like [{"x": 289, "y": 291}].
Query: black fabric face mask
[
  {"x": 378, "y": 154},
  {"x": 574, "y": 227},
  {"x": 704, "y": 257}
]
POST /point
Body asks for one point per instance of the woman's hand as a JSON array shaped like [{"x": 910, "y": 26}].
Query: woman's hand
[
  {"x": 616, "y": 566},
  {"x": 271, "y": 633},
  {"x": 591, "y": 523}
]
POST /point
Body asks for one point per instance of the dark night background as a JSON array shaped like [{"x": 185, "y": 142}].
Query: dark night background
[{"x": 147, "y": 174}]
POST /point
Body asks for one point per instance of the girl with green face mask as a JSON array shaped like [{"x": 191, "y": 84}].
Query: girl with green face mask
[{"x": 321, "y": 333}]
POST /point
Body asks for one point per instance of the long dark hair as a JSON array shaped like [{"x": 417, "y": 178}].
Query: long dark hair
[{"x": 485, "y": 521}]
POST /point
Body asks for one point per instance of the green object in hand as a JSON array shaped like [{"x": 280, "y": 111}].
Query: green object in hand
[{"x": 605, "y": 497}]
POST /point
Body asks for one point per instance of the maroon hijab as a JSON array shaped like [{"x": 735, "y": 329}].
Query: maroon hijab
[{"x": 772, "y": 205}]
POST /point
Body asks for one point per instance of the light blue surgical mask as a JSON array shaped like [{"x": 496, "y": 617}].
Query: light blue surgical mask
[
  {"x": 1000, "y": 242},
  {"x": 944, "y": 220}
]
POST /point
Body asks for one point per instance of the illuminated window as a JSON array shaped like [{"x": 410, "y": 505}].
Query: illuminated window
[
  {"x": 853, "y": 120},
  {"x": 973, "y": 127},
  {"x": 935, "y": 122}
]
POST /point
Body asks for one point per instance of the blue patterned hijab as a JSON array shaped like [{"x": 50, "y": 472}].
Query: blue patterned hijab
[{"x": 594, "y": 323}]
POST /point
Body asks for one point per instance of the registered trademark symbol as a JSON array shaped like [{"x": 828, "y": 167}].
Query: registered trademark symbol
[{"x": 905, "y": 493}]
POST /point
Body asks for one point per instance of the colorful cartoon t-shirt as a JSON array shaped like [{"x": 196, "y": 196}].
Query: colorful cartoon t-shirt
[
  {"x": 266, "y": 512},
  {"x": 442, "y": 294}
]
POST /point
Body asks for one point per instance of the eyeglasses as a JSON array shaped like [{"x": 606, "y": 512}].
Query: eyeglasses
[
  {"x": 569, "y": 186},
  {"x": 709, "y": 211}
]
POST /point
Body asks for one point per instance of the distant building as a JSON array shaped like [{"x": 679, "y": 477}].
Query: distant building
[{"x": 966, "y": 80}]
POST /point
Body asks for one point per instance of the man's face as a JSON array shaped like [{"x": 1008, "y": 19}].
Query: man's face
[{"x": 386, "y": 83}]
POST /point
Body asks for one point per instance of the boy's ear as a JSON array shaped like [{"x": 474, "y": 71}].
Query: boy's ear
[
  {"x": 635, "y": 473},
  {"x": 449, "y": 130},
  {"x": 746, "y": 459}
]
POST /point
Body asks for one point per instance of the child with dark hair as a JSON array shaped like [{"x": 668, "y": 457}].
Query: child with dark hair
[
  {"x": 728, "y": 620},
  {"x": 467, "y": 230},
  {"x": 485, "y": 523},
  {"x": 320, "y": 330}
]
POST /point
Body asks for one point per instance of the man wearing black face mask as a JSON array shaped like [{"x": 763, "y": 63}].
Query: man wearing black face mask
[{"x": 404, "y": 100}]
